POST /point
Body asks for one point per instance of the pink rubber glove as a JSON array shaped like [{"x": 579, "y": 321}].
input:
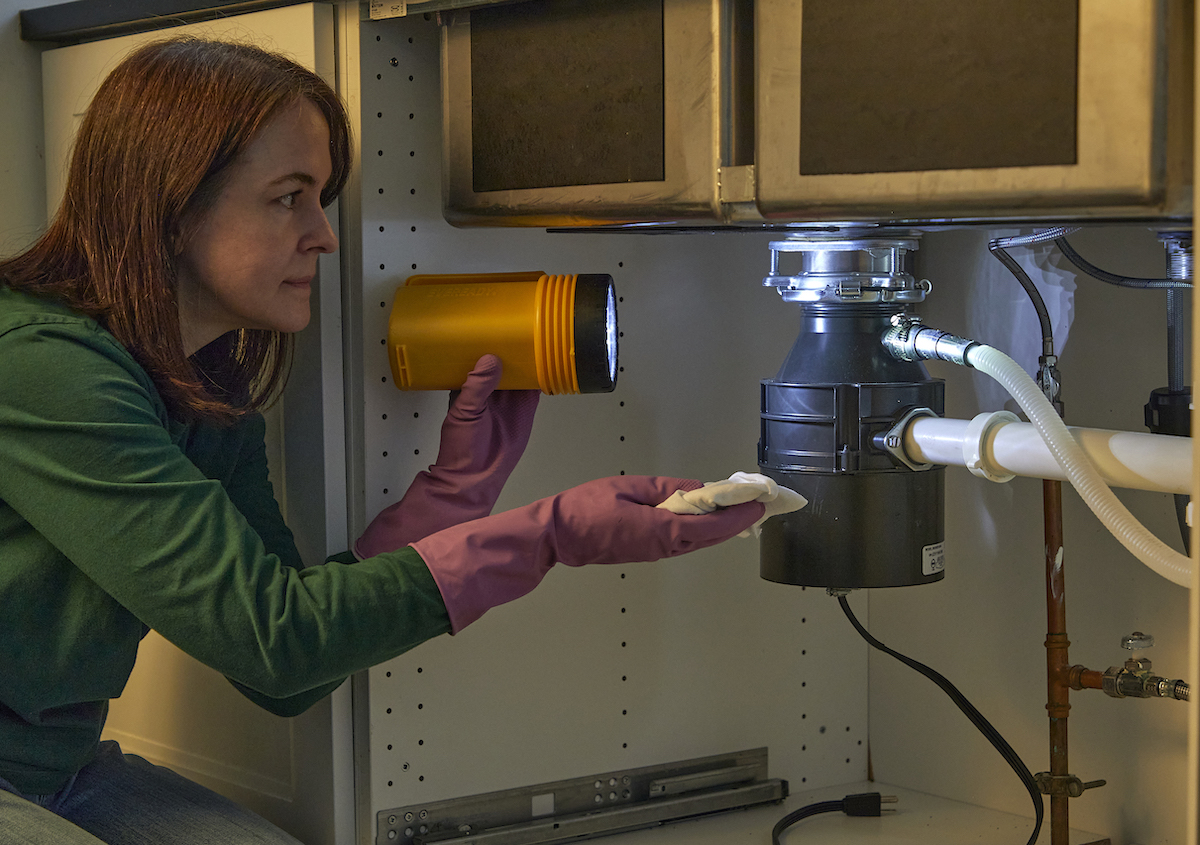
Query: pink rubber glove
[
  {"x": 485, "y": 563},
  {"x": 483, "y": 437}
]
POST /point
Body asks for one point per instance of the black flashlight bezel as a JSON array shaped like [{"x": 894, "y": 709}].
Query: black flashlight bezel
[{"x": 594, "y": 295}]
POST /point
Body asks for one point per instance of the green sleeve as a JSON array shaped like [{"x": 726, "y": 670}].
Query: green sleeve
[
  {"x": 237, "y": 457},
  {"x": 89, "y": 462}
]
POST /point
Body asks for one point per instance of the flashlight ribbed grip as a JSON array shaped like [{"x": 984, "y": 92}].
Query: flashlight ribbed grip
[{"x": 554, "y": 353}]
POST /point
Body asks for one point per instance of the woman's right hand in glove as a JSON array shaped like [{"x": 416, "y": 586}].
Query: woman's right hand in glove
[{"x": 487, "y": 562}]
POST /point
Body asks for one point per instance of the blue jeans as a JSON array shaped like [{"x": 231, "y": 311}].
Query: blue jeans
[{"x": 121, "y": 799}]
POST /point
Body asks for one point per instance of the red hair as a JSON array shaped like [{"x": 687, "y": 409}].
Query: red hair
[{"x": 150, "y": 159}]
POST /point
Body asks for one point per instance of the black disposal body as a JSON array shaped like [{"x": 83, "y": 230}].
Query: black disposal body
[{"x": 871, "y": 521}]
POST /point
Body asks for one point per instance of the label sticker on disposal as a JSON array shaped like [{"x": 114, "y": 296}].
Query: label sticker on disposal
[{"x": 934, "y": 558}]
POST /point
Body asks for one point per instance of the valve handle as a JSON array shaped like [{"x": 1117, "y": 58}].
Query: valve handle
[{"x": 1137, "y": 640}]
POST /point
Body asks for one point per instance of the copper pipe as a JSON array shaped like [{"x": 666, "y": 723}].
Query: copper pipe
[
  {"x": 1081, "y": 677},
  {"x": 1058, "y": 704}
]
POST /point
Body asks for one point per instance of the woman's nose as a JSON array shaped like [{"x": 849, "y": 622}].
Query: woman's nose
[{"x": 321, "y": 237}]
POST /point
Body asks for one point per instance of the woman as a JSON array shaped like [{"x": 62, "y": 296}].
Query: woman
[{"x": 141, "y": 336}]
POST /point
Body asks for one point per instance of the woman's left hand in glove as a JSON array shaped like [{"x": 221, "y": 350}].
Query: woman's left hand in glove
[{"x": 483, "y": 436}]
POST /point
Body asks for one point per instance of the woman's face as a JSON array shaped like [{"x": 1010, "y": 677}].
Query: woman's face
[{"x": 250, "y": 261}]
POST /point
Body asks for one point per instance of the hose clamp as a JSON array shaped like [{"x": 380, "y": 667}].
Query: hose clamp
[{"x": 975, "y": 443}]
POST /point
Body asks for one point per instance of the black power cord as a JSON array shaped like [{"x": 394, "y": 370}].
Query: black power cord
[
  {"x": 977, "y": 719},
  {"x": 861, "y": 804}
]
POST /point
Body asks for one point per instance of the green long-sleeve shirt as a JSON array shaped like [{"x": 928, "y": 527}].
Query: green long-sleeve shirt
[{"x": 116, "y": 519}]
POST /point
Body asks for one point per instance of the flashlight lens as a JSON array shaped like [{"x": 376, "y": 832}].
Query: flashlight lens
[
  {"x": 611, "y": 335},
  {"x": 595, "y": 333}
]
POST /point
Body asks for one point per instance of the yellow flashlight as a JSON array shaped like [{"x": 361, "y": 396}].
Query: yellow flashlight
[{"x": 554, "y": 333}]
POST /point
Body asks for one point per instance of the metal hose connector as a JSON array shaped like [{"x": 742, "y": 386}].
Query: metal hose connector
[
  {"x": 909, "y": 340},
  {"x": 1034, "y": 238},
  {"x": 1112, "y": 278}
]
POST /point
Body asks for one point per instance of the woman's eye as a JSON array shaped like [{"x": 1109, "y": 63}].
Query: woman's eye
[{"x": 288, "y": 200}]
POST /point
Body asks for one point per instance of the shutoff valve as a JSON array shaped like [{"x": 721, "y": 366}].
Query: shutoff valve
[{"x": 1135, "y": 679}]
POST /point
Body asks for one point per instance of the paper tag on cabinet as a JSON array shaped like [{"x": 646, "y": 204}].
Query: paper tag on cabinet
[{"x": 381, "y": 10}]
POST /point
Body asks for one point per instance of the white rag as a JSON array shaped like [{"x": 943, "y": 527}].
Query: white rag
[{"x": 738, "y": 488}]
